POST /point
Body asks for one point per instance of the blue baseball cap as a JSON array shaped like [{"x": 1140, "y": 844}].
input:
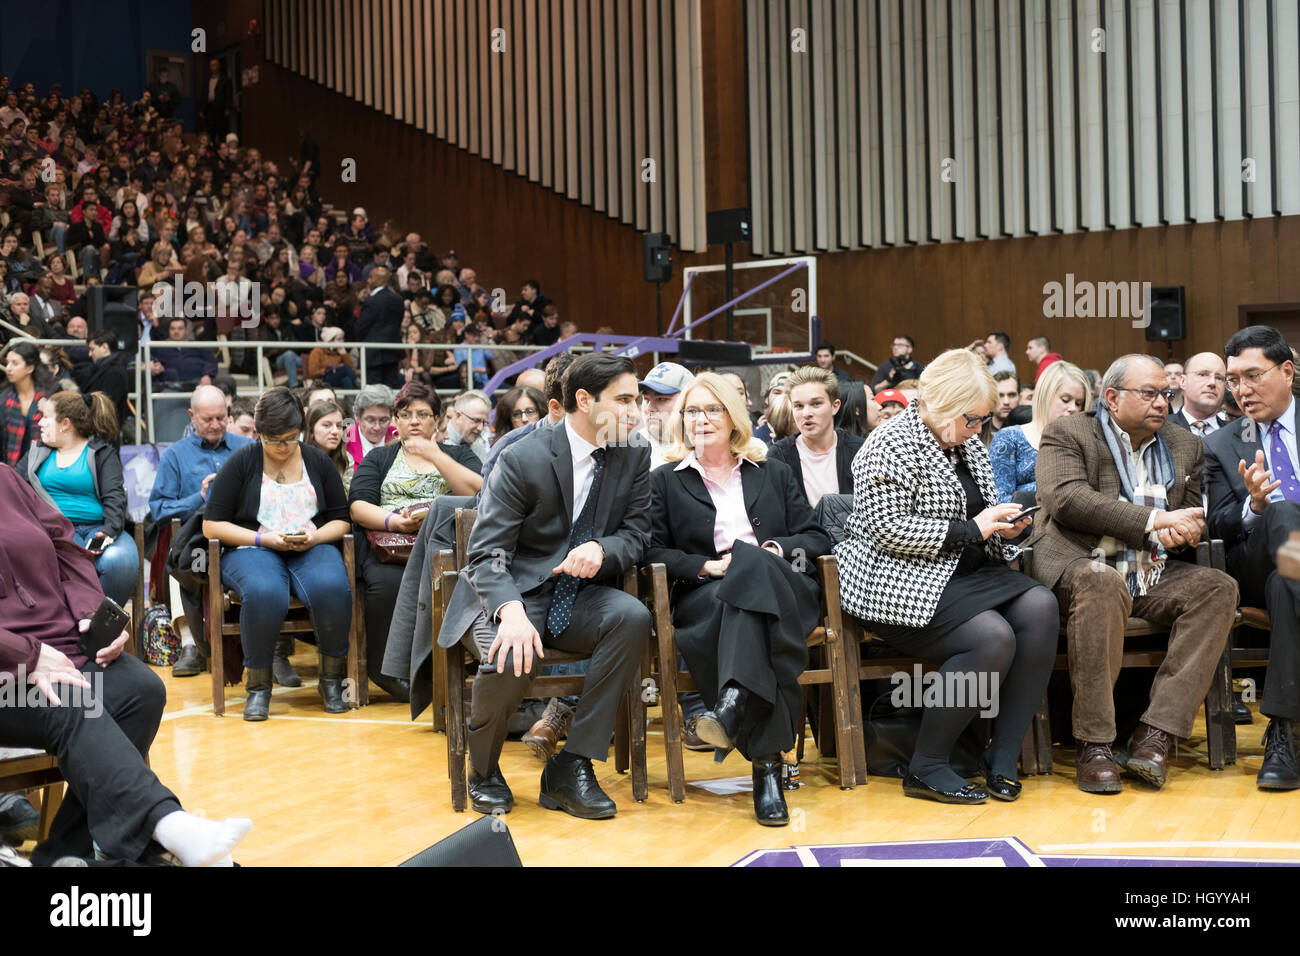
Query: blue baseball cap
[{"x": 667, "y": 378}]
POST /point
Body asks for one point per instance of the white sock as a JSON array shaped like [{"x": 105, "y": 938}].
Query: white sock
[
  {"x": 179, "y": 620},
  {"x": 198, "y": 841}
]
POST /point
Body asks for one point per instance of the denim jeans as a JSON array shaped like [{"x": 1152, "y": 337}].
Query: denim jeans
[
  {"x": 290, "y": 362},
  {"x": 341, "y": 376},
  {"x": 58, "y": 232},
  {"x": 263, "y": 579},
  {"x": 89, "y": 259},
  {"x": 118, "y": 567}
]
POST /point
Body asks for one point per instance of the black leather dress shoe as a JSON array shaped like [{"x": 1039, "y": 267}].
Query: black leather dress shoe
[
  {"x": 570, "y": 785},
  {"x": 490, "y": 794},
  {"x": 769, "y": 800},
  {"x": 399, "y": 688},
  {"x": 720, "y": 725},
  {"x": 1279, "y": 770},
  {"x": 998, "y": 786},
  {"x": 1240, "y": 712},
  {"x": 972, "y": 793}
]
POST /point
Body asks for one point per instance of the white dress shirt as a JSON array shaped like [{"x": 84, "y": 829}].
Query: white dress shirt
[
  {"x": 1287, "y": 419},
  {"x": 584, "y": 467}
]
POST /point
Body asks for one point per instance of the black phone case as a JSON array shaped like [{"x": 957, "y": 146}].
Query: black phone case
[{"x": 108, "y": 622}]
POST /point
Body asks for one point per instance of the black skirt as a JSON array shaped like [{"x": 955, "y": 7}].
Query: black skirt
[{"x": 987, "y": 587}]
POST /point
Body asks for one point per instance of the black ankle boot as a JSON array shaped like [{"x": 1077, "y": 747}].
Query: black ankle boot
[
  {"x": 282, "y": 671},
  {"x": 257, "y": 685},
  {"x": 330, "y": 684},
  {"x": 769, "y": 800},
  {"x": 720, "y": 725}
]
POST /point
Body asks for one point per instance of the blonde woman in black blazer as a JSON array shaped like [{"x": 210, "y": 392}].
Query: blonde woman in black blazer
[
  {"x": 923, "y": 563},
  {"x": 738, "y": 538}
]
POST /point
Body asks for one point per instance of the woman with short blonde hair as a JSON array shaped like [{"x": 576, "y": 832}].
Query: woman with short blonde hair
[
  {"x": 738, "y": 538},
  {"x": 923, "y": 564}
]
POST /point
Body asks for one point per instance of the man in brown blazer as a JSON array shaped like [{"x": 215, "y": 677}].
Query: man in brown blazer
[{"x": 1121, "y": 498}]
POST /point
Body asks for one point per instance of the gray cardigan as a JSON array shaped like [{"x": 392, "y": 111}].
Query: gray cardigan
[{"x": 106, "y": 475}]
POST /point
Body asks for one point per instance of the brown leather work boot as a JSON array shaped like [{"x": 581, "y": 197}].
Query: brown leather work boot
[
  {"x": 1148, "y": 754},
  {"x": 690, "y": 739},
  {"x": 543, "y": 737},
  {"x": 1094, "y": 768}
]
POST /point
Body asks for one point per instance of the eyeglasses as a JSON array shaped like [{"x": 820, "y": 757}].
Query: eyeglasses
[
  {"x": 375, "y": 422},
  {"x": 980, "y": 420},
  {"x": 280, "y": 442},
  {"x": 524, "y": 415},
  {"x": 405, "y": 415},
  {"x": 712, "y": 412},
  {"x": 1148, "y": 395},
  {"x": 481, "y": 422},
  {"x": 1253, "y": 378}
]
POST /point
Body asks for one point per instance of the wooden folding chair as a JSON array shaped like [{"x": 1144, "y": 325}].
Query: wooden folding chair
[
  {"x": 1221, "y": 733},
  {"x": 25, "y": 769},
  {"x": 223, "y": 620},
  {"x": 629, "y": 730},
  {"x": 827, "y": 666}
]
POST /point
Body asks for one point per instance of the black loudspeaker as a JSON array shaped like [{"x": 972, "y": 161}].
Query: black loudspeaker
[
  {"x": 699, "y": 352},
  {"x": 658, "y": 257},
  {"x": 727, "y": 225},
  {"x": 1166, "y": 315},
  {"x": 485, "y": 842},
  {"x": 114, "y": 308}
]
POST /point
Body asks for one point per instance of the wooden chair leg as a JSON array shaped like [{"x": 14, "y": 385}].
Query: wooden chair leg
[
  {"x": 1220, "y": 729},
  {"x": 668, "y": 691},
  {"x": 1043, "y": 737},
  {"x": 439, "y": 699},
  {"x": 356, "y": 632},
  {"x": 843, "y": 713},
  {"x": 136, "y": 645},
  {"x": 51, "y": 800},
  {"x": 622, "y": 739},
  {"x": 803, "y": 725},
  {"x": 1028, "y": 753},
  {"x": 457, "y": 731},
  {"x": 215, "y": 622},
  {"x": 636, "y": 711}
]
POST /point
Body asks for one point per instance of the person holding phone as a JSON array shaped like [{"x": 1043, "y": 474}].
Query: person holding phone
[
  {"x": 48, "y": 594},
  {"x": 77, "y": 471},
  {"x": 278, "y": 507},
  {"x": 923, "y": 564},
  {"x": 391, "y": 491}
]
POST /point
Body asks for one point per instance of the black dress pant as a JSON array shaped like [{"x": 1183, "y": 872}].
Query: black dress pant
[
  {"x": 1254, "y": 564},
  {"x": 113, "y": 798},
  {"x": 382, "y": 582}
]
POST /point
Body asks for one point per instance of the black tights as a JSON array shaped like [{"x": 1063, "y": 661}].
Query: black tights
[{"x": 1017, "y": 641}]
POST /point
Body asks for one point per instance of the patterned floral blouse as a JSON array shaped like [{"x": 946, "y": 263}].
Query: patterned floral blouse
[{"x": 403, "y": 485}]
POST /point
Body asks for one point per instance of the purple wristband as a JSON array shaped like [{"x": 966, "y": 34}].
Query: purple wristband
[
  {"x": 386, "y": 517},
  {"x": 257, "y": 540}
]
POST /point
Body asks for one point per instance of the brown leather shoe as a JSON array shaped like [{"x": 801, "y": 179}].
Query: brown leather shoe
[
  {"x": 1094, "y": 768},
  {"x": 1148, "y": 754},
  {"x": 545, "y": 735},
  {"x": 690, "y": 739}
]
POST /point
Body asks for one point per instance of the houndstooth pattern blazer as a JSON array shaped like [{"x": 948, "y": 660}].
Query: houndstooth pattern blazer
[{"x": 893, "y": 568}]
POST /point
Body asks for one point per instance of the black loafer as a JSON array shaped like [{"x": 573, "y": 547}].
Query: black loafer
[
  {"x": 490, "y": 794},
  {"x": 399, "y": 688},
  {"x": 1241, "y": 714},
  {"x": 998, "y": 786},
  {"x": 971, "y": 794},
  {"x": 570, "y": 785}
]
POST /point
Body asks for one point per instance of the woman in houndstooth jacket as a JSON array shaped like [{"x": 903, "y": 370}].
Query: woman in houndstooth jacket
[{"x": 923, "y": 564}]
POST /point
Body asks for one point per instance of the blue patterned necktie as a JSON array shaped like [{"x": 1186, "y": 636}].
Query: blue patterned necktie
[
  {"x": 566, "y": 588},
  {"x": 1280, "y": 461}
]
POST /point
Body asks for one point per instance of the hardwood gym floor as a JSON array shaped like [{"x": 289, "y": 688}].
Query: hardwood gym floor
[{"x": 369, "y": 788}]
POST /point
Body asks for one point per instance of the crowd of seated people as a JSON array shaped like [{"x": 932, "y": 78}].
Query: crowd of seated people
[{"x": 582, "y": 471}]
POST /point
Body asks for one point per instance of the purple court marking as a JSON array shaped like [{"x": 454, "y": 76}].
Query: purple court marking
[{"x": 1002, "y": 851}]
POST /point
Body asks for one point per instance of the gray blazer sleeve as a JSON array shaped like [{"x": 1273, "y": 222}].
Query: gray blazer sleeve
[{"x": 495, "y": 533}]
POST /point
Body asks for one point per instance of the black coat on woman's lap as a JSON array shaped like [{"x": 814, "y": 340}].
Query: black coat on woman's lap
[{"x": 751, "y": 625}]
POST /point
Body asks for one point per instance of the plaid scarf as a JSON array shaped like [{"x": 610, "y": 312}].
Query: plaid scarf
[
  {"x": 1141, "y": 569},
  {"x": 16, "y": 424}
]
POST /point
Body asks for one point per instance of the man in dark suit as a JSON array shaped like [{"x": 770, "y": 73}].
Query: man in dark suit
[
  {"x": 216, "y": 96},
  {"x": 381, "y": 321},
  {"x": 568, "y": 507},
  {"x": 1204, "y": 378},
  {"x": 1121, "y": 498},
  {"x": 820, "y": 455},
  {"x": 1254, "y": 502}
]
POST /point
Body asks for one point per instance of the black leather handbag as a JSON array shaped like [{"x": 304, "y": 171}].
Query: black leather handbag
[{"x": 891, "y": 738}]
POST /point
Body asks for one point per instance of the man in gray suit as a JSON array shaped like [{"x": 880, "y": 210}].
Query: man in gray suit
[{"x": 568, "y": 507}]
